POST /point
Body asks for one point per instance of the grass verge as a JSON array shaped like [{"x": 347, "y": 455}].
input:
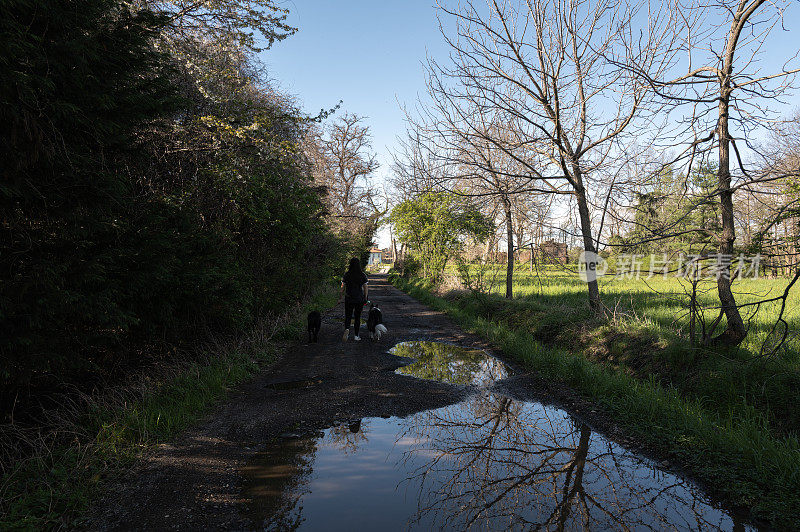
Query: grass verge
[
  {"x": 51, "y": 473},
  {"x": 735, "y": 453}
]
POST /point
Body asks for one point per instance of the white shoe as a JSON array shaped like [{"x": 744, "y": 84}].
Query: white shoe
[
  {"x": 345, "y": 335},
  {"x": 357, "y": 339}
]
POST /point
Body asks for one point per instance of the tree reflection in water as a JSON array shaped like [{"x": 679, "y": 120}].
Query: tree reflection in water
[
  {"x": 495, "y": 463},
  {"x": 490, "y": 462},
  {"x": 449, "y": 363},
  {"x": 276, "y": 481},
  {"x": 348, "y": 437},
  {"x": 279, "y": 477}
]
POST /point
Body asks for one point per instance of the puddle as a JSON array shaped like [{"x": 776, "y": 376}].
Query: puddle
[
  {"x": 450, "y": 363},
  {"x": 488, "y": 463}
]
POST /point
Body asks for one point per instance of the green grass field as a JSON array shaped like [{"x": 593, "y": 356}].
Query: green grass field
[
  {"x": 660, "y": 302},
  {"x": 647, "y": 334},
  {"x": 729, "y": 416}
]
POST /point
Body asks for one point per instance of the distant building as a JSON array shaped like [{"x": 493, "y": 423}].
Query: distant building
[
  {"x": 548, "y": 252},
  {"x": 552, "y": 251},
  {"x": 386, "y": 255},
  {"x": 375, "y": 257}
]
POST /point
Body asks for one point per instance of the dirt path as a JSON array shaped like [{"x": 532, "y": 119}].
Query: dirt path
[{"x": 194, "y": 482}]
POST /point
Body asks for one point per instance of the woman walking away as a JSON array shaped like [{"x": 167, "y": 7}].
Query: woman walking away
[{"x": 354, "y": 288}]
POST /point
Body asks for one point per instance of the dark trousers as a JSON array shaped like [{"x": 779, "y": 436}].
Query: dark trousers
[{"x": 352, "y": 310}]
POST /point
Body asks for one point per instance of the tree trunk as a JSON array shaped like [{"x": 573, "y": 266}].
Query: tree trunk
[
  {"x": 486, "y": 252},
  {"x": 734, "y": 331},
  {"x": 531, "y": 262},
  {"x": 573, "y": 488},
  {"x": 510, "y": 248},
  {"x": 796, "y": 244},
  {"x": 588, "y": 241}
]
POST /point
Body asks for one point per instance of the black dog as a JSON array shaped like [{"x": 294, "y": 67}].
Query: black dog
[
  {"x": 314, "y": 324},
  {"x": 375, "y": 322}
]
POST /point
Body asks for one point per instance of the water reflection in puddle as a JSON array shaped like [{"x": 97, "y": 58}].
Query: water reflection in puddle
[
  {"x": 489, "y": 462},
  {"x": 449, "y": 363}
]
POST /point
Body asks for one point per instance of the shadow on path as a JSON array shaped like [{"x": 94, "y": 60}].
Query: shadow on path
[{"x": 194, "y": 482}]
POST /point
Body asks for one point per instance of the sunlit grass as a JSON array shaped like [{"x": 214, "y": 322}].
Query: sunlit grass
[{"x": 663, "y": 301}]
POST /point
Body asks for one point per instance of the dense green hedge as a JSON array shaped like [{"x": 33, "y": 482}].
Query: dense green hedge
[{"x": 141, "y": 203}]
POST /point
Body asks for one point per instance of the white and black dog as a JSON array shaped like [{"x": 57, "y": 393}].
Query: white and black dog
[{"x": 375, "y": 324}]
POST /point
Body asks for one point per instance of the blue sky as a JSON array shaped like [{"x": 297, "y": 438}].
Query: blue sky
[
  {"x": 367, "y": 53},
  {"x": 370, "y": 54}
]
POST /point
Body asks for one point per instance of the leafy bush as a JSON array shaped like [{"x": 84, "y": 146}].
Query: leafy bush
[
  {"x": 434, "y": 225},
  {"x": 152, "y": 194}
]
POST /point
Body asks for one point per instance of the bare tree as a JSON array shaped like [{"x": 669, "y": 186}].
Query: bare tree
[
  {"x": 727, "y": 90},
  {"x": 549, "y": 66},
  {"x": 533, "y": 213},
  {"x": 344, "y": 164},
  {"x": 462, "y": 142},
  {"x": 413, "y": 173},
  {"x": 771, "y": 208},
  {"x": 414, "y": 168}
]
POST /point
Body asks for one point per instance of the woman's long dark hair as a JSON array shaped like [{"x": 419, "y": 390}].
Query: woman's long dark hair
[{"x": 355, "y": 266}]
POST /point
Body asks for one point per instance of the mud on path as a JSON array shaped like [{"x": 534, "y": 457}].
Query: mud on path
[
  {"x": 194, "y": 482},
  {"x": 198, "y": 481}
]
